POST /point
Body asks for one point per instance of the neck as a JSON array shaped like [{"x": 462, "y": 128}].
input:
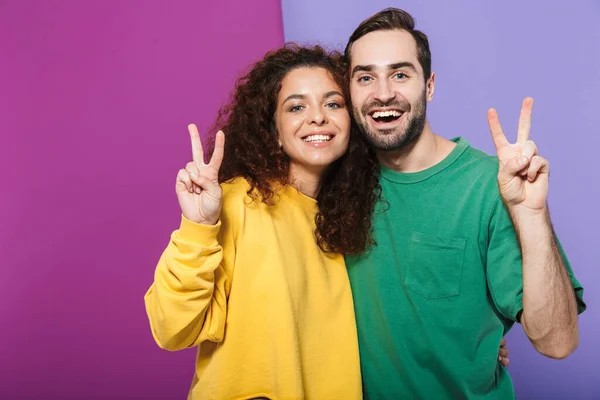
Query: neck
[
  {"x": 306, "y": 181},
  {"x": 428, "y": 150}
]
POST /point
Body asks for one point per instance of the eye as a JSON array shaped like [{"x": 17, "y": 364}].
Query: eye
[
  {"x": 400, "y": 75},
  {"x": 296, "y": 108},
  {"x": 364, "y": 78},
  {"x": 334, "y": 104}
]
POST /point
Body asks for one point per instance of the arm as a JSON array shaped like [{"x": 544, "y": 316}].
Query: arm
[
  {"x": 187, "y": 303},
  {"x": 549, "y": 314}
]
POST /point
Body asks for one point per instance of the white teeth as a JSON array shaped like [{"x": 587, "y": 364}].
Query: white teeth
[
  {"x": 391, "y": 113},
  {"x": 318, "y": 138}
]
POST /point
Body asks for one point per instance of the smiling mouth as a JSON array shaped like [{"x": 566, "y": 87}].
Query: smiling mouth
[
  {"x": 318, "y": 138},
  {"x": 386, "y": 116}
]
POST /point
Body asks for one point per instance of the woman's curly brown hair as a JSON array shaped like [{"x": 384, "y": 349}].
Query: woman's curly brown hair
[{"x": 350, "y": 186}]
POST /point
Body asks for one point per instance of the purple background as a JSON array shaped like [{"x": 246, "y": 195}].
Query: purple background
[
  {"x": 493, "y": 54},
  {"x": 95, "y": 97}
]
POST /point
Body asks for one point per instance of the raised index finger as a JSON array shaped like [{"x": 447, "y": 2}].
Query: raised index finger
[
  {"x": 496, "y": 129},
  {"x": 525, "y": 120},
  {"x": 197, "y": 153}
]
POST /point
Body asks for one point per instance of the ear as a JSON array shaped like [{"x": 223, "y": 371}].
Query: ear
[{"x": 430, "y": 86}]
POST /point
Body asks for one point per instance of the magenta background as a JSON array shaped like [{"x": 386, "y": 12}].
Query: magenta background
[{"x": 95, "y": 97}]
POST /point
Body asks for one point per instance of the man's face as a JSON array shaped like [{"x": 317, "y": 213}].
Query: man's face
[{"x": 388, "y": 90}]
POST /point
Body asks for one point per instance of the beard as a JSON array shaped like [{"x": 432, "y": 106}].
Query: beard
[{"x": 396, "y": 138}]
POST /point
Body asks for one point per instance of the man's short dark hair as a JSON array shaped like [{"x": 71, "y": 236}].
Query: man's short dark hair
[{"x": 392, "y": 19}]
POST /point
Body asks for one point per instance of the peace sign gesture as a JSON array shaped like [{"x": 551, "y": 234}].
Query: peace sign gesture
[
  {"x": 197, "y": 187},
  {"x": 522, "y": 174}
]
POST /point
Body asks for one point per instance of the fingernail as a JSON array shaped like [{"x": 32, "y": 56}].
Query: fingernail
[
  {"x": 198, "y": 190},
  {"x": 522, "y": 160}
]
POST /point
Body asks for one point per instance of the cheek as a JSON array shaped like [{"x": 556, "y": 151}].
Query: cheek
[
  {"x": 416, "y": 93},
  {"x": 342, "y": 121},
  {"x": 345, "y": 131},
  {"x": 357, "y": 94},
  {"x": 287, "y": 127},
  {"x": 344, "y": 143}
]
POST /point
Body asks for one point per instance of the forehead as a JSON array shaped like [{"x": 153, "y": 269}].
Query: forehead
[
  {"x": 307, "y": 80},
  {"x": 381, "y": 48}
]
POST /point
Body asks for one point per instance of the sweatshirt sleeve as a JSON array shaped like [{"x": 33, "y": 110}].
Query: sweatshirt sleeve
[{"x": 187, "y": 302}]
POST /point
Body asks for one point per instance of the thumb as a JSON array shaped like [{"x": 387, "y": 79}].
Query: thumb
[
  {"x": 211, "y": 188},
  {"x": 513, "y": 167}
]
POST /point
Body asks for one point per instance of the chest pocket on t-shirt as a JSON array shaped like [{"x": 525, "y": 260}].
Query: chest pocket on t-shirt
[{"x": 435, "y": 265}]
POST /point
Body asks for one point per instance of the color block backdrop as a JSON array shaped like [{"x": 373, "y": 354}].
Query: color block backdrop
[
  {"x": 493, "y": 54},
  {"x": 95, "y": 98}
]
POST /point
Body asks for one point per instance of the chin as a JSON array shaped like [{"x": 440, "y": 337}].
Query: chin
[
  {"x": 322, "y": 162},
  {"x": 393, "y": 139}
]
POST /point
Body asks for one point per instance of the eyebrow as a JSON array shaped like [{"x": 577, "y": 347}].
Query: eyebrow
[
  {"x": 301, "y": 96},
  {"x": 371, "y": 67}
]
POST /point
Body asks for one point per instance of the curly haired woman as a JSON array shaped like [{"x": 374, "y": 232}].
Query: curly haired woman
[{"x": 255, "y": 275}]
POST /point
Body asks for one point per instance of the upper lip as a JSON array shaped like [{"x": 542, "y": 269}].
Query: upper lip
[{"x": 329, "y": 133}]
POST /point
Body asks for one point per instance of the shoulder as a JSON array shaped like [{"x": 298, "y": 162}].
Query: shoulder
[
  {"x": 483, "y": 162},
  {"x": 476, "y": 165},
  {"x": 476, "y": 173},
  {"x": 236, "y": 188},
  {"x": 235, "y": 198}
]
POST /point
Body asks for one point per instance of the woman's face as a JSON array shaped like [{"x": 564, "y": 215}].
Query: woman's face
[{"x": 312, "y": 120}]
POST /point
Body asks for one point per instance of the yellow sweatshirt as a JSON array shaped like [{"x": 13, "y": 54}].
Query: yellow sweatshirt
[{"x": 271, "y": 314}]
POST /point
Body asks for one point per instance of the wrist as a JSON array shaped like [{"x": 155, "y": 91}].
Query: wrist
[
  {"x": 521, "y": 214},
  {"x": 532, "y": 226},
  {"x": 200, "y": 220},
  {"x": 198, "y": 232}
]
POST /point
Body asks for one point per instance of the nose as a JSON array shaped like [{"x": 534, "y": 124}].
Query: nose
[
  {"x": 317, "y": 116},
  {"x": 384, "y": 92}
]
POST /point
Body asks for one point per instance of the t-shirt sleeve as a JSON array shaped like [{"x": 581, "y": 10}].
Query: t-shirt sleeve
[{"x": 504, "y": 266}]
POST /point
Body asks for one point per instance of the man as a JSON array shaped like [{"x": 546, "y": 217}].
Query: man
[{"x": 465, "y": 246}]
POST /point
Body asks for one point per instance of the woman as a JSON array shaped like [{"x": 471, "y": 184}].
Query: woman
[{"x": 242, "y": 279}]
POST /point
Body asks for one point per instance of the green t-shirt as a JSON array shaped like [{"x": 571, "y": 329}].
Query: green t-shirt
[{"x": 443, "y": 284}]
